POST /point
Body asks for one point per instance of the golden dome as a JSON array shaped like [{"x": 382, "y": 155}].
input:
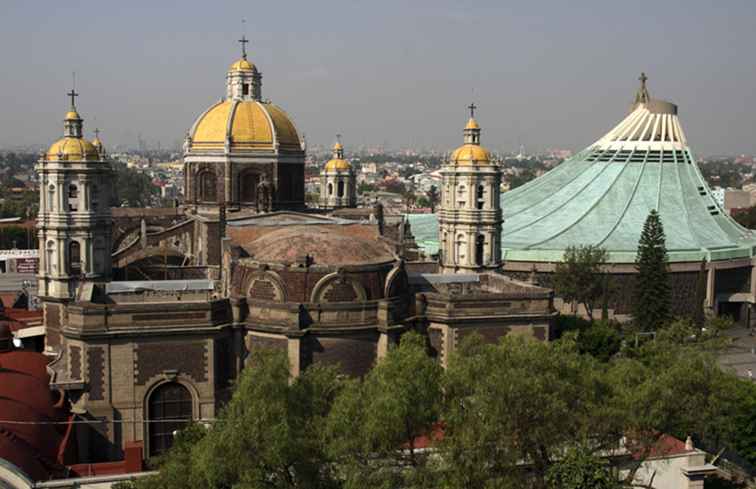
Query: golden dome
[
  {"x": 242, "y": 65},
  {"x": 469, "y": 154},
  {"x": 472, "y": 124},
  {"x": 337, "y": 165},
  {"x": 72, "y": 115},
  {"x": 72, "y": 149},
  {"x": 255, "y": 126}
]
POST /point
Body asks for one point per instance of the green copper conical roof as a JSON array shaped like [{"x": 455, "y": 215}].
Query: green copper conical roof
[{"x": 602, "y": 196}]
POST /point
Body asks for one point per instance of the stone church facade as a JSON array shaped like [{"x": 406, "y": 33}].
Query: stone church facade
[{"x": 153, "y": 313}]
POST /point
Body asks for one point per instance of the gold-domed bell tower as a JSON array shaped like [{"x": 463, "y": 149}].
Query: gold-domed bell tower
[
  {"x": 470, "y": 215},
  {"x": 337, "y": 181},
  {"x": 74, "y": 222}
]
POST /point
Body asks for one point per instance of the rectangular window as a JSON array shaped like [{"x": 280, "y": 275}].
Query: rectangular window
[{"x": 245, "y": 88}]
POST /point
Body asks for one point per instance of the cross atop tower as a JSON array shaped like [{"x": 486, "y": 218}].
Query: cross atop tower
[
  {"x": 97, "y": 133},
  {"x": 642, "y": 96},
  {"x": 73, "y": 96},
  {"x": 243, "y": 41},
  {"x": 472, "y": 108}
]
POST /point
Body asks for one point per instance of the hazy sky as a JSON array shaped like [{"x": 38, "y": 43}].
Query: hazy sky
[{"x": 547, "y": 74}]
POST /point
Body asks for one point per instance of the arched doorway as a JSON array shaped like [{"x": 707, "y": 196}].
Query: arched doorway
[{"x": 169, "y": 410}]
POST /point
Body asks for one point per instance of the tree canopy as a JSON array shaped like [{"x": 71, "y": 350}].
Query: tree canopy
[
  {"x": 518, "y": 413},
  {"x": 579, "y": 277}
]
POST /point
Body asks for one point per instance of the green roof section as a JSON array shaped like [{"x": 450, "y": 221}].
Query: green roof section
[{"x": 602, "y": 196}]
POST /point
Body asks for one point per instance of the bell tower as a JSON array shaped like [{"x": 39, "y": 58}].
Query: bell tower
[
  {"x": 74, "y": 221},
  {"x": 470, "y": 214},
  {"x": 337, "y": 181}
]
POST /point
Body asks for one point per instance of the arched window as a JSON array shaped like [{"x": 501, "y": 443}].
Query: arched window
[
  {"x": 480, "y": 197},
  {"x": 461, "y": 197},
  {"x": 169, "y": 409},
  {"x": 341, "y": 188},
  {"x": 50, "y": 257},
  {"x": 74, "y": 258},
  {"x": 479, "y": 243},
  {"x": 460, "y": 249},
  {"x": 73, "y": 198},
  {"x": 208, "y": 191},
  {"x": 330, "y": 189},
  {"x": 248, "y": 186}
]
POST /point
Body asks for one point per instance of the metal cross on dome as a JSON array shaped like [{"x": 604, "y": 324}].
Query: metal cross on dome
[
  {"x": 73, "y": 96},
  {"x": 244, "y": 42},
  {"x": 472, "y": 108}
]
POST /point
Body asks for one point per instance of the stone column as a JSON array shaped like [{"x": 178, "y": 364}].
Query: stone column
[
  {"x": 294, "y": 356},
  {"x": 710, "y": 299},
  {"x": 227, "y": 181},
  {"x": 383, "y": 342}
]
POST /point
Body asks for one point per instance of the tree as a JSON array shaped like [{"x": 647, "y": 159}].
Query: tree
[
  {"x": 132, "y": 188},
  {"x": 375, "y": 422},
  {"x": 580, "y": 468},
  {"x": 268, "y": 435},
  {"x": 652, "y": 298},
  {"x": 744, "y": 439},
  {"x": 364, "y": 187},
  {"x": 516, "y": 401},
  {"x": 433, "y": 197},
  {"x": 745, "y": 217},
  {"x": 579, "y": 276},
  {"x": 512, "y": 409},
  {"x": 668, "y": 389}
]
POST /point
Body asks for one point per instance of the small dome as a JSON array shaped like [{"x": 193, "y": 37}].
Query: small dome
[
  {"x": 337, "y": 162},
  {"x": 255, "y": 126},
  {"x": 72, "y": 115},
  {"x": 242, "y": 65},
  {"x": 338, "y": 165},
  {"x": 469, "y": 154},
  {"x": 472, "y": 124},
  {"x": 72, "y": 149},
  {"x": 324, "y": 245}
]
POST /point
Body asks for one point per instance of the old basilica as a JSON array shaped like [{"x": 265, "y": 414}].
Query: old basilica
[{"x": 150, "y": 314}]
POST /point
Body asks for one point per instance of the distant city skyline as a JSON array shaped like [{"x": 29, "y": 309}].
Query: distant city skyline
[{"x": 544, "y": 74}]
